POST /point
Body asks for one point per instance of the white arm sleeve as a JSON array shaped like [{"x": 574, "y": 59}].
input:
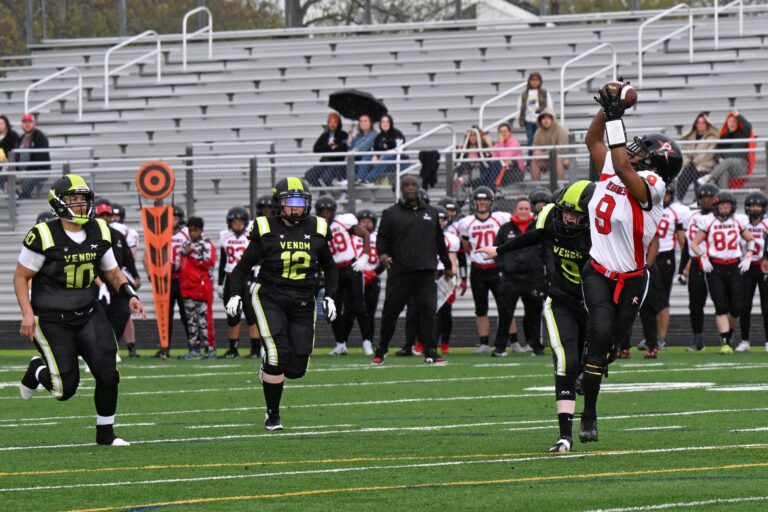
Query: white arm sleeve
[
  {"x": 31, "y": 259},
  {"x": 108, "y": 261}
]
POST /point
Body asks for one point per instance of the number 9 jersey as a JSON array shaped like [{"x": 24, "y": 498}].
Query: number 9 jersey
[{"x": 621, "y": 228}]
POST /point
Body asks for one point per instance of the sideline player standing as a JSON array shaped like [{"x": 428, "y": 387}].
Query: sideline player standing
[
  {"x": 723, "y": 262},
  {"x": 366, "y": 219},
  {"x": 691, "y": 268},
  {"x": 292, "y": 248},
  {"x": 624, "y": 213},
  {"x": 62, "y": 258},
  {"x": 233, "y": 242},
  {"x": 132, "y": 237},
  {"x": 564, "y": 228},
  {"x": 477, "y": 231},
  {"x": 350, "y": 290},
  {"x": 755, "y": 206}
]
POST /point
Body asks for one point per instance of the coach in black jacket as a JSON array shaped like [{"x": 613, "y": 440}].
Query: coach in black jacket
[
  {"x": 523, "y": 276},
  {"x": 409, "y": 242}
]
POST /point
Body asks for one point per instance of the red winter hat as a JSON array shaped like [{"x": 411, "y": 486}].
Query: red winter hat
[
  {"x": 103, "y": 208},
  {"x": 27, "y": 117}
]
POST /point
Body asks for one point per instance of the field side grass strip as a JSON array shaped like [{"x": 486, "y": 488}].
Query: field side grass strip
[{"x": 380, "y": 488}]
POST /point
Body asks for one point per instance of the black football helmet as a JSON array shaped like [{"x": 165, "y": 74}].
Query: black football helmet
[
  {"x": 755, "y": 199},
  {"x": 118, "y": 211},
  {"x": 264, "y": 202},
  {"x": 292, "y": 193},
  {"x": 540, "y": 195},
  {"x": 45, "y": 217},
  {"x": 70, "y": 185},
  {"x": 707, "y": 191},
  {"x": 178, "y": 211},
  {"x": 424, "y": 195},
  {"x": 237, "y": 212},
  {"x": 723, "y": 197},
  {"x": 325, "y": 203},
  {"x": 658, "y": 153},
  {"x": 575, "y": 200},
  {"x": 442, "y": 213},
  {"x": 450, "y": 203},
  {"x": 365, "y": 213},
  {"x": 482, "y": 193}
]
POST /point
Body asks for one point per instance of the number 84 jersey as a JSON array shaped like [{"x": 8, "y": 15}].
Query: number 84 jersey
[{"x": 621, "y": 227}]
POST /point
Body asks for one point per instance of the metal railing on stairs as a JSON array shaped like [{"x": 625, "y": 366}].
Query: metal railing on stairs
[
  {"x": 564, "y": 89},
  {"x": 75, "y": 89},
  {"x": 185, "y": 37},
  {"x": 642, "y": 49},
  {"x": 151, "y": 53},
  {"x": 718, "y": 10}
]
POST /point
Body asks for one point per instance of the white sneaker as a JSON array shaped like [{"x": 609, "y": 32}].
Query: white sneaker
[
  {"x": 528, "y": 349},
  {"x": 743, "y": 346},
  {"x": 120, "y": 442},
  {"x": 118, "y": 359},
  {"x": 703, "y": 180},
  {"x": 367, "y": 348},
  {"x": 340, "y": 350},
  {"x": 517, "y": 348},
  {"x": 642, "y": 346},
  {"x": 483, "y": 349}
]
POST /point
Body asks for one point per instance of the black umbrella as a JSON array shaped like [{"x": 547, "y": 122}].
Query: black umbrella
[{"x": 351, "y": 103}]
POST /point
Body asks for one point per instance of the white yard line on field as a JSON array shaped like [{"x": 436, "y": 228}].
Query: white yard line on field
[
  {"x": 638, "y": 387},
  {"x": 250, "y": 425},
  {"x": 756, "y": 429},
  {"x": 641, "y": 429},
  {"x": 27, "y": 425},
  {"x": 684, "y": 504},
  {"x": 501, "y": 460}
]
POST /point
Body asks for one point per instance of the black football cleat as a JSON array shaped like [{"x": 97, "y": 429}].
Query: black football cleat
[
  {"x": 231, "y": 354},
  {"x": 404, "y": 352},
  {"x": 562, "y": 445},
  {"x": 588, "y": 430},
  {"x": 29, "y": 382},
  {"x": 272, "y": 422}
]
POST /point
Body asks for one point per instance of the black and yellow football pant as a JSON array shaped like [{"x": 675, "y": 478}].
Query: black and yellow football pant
[
  {"x": 286, "y": 318},
  {"x": 60, "y": 339},
  {"x": 567, "y": 329}
]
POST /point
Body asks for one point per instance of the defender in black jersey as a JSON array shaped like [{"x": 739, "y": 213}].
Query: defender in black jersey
[
  {"x": 564, "y": 227},
  {"x": 62, "y": 258},
  {"x": 292, "y": 249}
]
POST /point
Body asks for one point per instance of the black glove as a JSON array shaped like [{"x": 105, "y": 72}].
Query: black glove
[{"x": 610, "y": 104}]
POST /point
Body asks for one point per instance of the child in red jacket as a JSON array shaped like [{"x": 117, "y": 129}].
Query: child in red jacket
[{"x": 198, "y": 257}]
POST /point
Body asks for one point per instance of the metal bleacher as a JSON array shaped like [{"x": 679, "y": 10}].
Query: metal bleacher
[{"x": 276, "y": 89}]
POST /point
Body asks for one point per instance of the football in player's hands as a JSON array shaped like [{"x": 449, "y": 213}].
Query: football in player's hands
[{"x": 622, "y": 91}]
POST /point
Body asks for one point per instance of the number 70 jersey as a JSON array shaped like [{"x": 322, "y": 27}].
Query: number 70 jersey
[{"x": 620, "y": 227}]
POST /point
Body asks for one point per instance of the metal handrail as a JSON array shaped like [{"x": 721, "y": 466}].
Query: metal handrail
[
  {"x": 185, "y": 37},
  {"x": 641, "y": 49},
  {"x": 399, "y": 150},
  {"x": 564, "y": 89},
  {"x": 717, "y": 10},
  {"x": 108, "y": 73},
  {"x": 496, "y": 98},
  {"x": 77, "y": 88}
]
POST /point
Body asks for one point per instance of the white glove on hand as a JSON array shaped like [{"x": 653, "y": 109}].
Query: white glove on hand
[
  {"x": 360, "y": 263},
  {"x": 220, "y": 291},
  {"x": 234, "y": 305},
  {"x": 745, "y": 264},
  {"x": 104, "y": 293},
  {"x": 706, "y": 265},
  {"x": 329, "y": 309}
]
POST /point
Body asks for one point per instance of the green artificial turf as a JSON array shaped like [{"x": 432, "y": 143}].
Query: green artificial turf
[{"x": 472, "y": 435}]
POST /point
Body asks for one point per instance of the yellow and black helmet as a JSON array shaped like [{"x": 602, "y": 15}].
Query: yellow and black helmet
[
  {"x": 292, "y": 193},
  {"x": 71, "y": 185},
  {"x": 573, "y": 199}
]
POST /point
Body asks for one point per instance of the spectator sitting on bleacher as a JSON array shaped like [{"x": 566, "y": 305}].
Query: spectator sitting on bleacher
[
  {"x": 695, "y": 164},
  {"x": 9, "y": 139},
  {"x": 507, "y": 157},
  {"x": 533, "y": 100},
  {"x": 388, "y": 138},
  {"x": 332, "y": 140},
  {"x": 550, "y": 133},
  {"x": 33, "y": 138},
  {"x": 361, "y": 142},
  {"x": 730, "y": 165},
  {"x": 478, "y": 172}
]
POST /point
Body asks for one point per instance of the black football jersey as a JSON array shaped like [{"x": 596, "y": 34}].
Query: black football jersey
[
  {"x": 569, "y": 255},
  {"x": 291, "y": 256},
  {"x": 65, "y": 282}
]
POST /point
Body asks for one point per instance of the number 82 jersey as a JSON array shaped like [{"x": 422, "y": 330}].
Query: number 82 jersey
[{"x": 621, "y": 228}]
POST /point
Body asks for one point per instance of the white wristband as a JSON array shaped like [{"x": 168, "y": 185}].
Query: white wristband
[{"x": 614, "y": 130}]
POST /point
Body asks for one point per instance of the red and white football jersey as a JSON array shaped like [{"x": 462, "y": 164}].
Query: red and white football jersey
[
  {"x": 177, "y": 240},
  {"x": 233, "y": 246},
  {"x": 342, "y": 245},
  {"x": 481, "y": 233},
  {"x": 452, "y": 243},
  {"x": 759, "y": 232},
  {"x": 723, "y": 236},
  {"x": 620, "y": 228},
  {"x": 453, "y": 228},
  {"x": 672, "y": 216},
  {"x": 130, "y": 234},
  {"x": 691, "y": 228},
  {"x": 373, "y": 255}
]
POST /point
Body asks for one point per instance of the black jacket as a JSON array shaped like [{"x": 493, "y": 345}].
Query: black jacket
[
  {"x": 388, "y": 140},
  {"x": 412, "y": 237},
  {"x": 39, "y": 141},
  {"x": 322, "y": 145},
  {"x": 9, "y": 142},
  {"x": 527, "y": 265}
]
